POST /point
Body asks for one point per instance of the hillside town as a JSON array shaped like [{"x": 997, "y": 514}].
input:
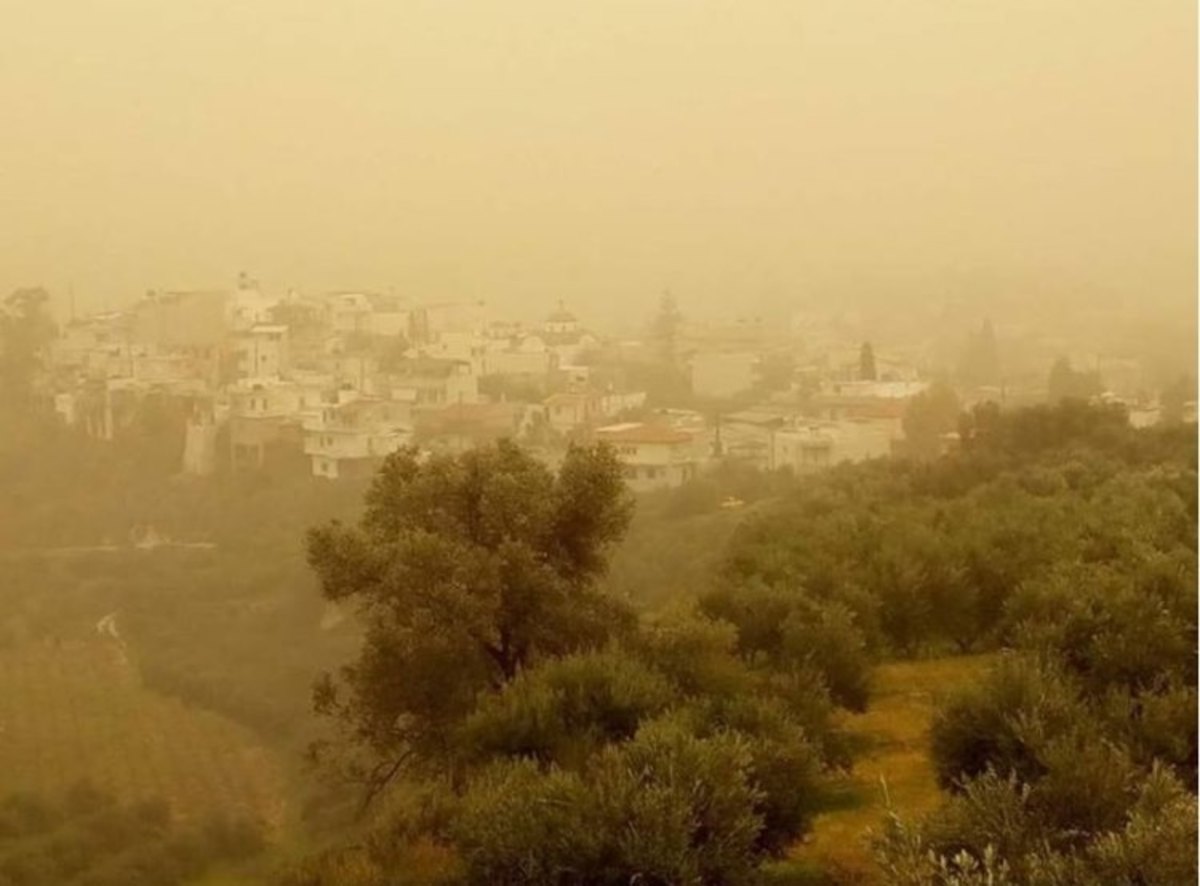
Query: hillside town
[{"x": 330, "y": 384}]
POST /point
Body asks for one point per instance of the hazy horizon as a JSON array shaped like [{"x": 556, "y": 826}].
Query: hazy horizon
[
  {"x": 869, "y": 558},
  {"x": 526, "y": 153}
]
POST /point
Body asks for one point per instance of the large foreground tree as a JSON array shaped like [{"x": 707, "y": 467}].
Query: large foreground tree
[{"x": 466, "y": 570}]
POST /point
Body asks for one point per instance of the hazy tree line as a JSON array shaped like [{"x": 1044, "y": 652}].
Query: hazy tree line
[{"x": 87, "y": 838}]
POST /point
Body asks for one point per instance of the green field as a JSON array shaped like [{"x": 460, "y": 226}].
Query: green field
[
  {"x": 75, "y": 710},
  {"x": 893, "y": 768}
]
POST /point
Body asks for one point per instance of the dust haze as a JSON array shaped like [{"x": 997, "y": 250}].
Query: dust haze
[
  {"x": 549, "y": 443},
  {"x": 760, "y": 153}
]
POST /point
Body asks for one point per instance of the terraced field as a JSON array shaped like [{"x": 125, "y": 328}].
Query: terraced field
[{"x": 75, "y": 710}]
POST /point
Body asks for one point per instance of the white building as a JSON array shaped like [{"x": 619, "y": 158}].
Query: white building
[
  {"x": 613, "y": 403},
  {"x": 520, "y": 355},
  {"x": 810, "y": 447},
  {"x": 247, "y": 307},
  {"x": 200, "y": 445},
  {"x": 348, "y": 313},
  {"x": 87, "y": 345},
  {"x": 466, "y": 347},
  {"x": 353, "y": 437},
  {"x": 562, "y": 335},
  {"x": 433, "y": 382},
  {"x": 653, "y": 456},
  {"x": 262, "y": 352},
  {"x": 266, "y": 416}
]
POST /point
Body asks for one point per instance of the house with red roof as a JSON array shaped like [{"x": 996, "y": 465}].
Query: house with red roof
[{"x": 653, "y": 455}]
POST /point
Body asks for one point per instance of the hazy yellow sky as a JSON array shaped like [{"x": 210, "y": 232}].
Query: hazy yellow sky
[{"x": 528, "y": 150}]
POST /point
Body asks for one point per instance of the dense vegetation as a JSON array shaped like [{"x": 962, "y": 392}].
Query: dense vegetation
[
  {"x": 605, "y": 694},
  {"x": 550, "y": 736},
  {"x": 692, "y": 744},
  {"x": 87, "y": 838}
]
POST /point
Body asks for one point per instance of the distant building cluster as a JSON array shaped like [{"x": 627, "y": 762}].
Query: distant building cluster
[{"x": 331, "y": 383}]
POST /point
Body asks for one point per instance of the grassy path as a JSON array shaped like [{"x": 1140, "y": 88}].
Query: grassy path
[{"x": 894, "y": 738}]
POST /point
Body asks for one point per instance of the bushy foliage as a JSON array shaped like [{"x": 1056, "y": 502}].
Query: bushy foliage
[
  {"x": 567, "y": 714},
  {"x": 1067, "y": 756},
  {"x": 995, "y": 832},
  {"x": 465, "y": 570},
  {"x": 694, "y": 795},
  {"x": 666, "y": 807},
  {"x": 87, "y": 838},
  {"x": 652, "y": 752},
  {"x": 793, "y": 631},
  {"x": 929, "y": 415},
  {"x": 1003, "y": 721},
  {"x": 927, "y": 556},
  {"x": 566, "y": 709},
  {"x": 1059, "y": 760},
  {"x": 692, "y": 746}
]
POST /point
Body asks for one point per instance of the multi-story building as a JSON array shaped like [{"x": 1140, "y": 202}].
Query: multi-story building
[
  {"x": 262, "y": 352},
  {"x": 812, "y": 446},
  {"x": 572, "y": 410},
  {"x": 653, "y": 456},
  {"x": 248, "y": 306},
  {"x": 96, "y": 347},
  {"x": 430, "y": 381},
  {"x": 562, "y": 335},
  {"x": 266, "y": 417},
  {"x": 352, "y": 438},
  {"x": 195, "y": 321},
  {"x": 582, "y": 408},
  {"x": 883, "y": 400}
]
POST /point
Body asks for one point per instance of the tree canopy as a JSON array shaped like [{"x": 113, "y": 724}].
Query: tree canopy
[
  {"x": 866, "y": 363},
  {"x": 1065, "y": 382},
  {"x": 567, "y": 742},
  {"x": 465, "y": 569},
  {"x": 25, "y": 330}
]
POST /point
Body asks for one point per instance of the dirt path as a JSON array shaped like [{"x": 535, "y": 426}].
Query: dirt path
[
  {"x": 77, "y": 550},
  {"x": 893, "y": 766}
]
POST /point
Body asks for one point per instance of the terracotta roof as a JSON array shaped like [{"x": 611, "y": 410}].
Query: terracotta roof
[{"x": 640, "y": 433}]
